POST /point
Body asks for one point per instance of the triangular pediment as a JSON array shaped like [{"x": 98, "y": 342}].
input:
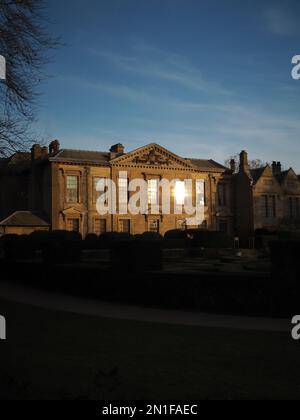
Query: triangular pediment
[{"x": 152, "y": 155}]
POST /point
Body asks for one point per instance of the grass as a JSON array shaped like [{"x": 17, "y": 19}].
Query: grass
[{"x": 53, "y": 355}]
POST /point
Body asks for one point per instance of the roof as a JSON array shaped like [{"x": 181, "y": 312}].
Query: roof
[
  {"x": 24, "y": 219},
  {"x": 281, "y": 176},
  {"x": 205, "y": 164},
  {"x": 21, "y": 161},
  {"x": 104, "y": 158},
  {"x": 101, "y": 158},
  {"x": 257, "y": 173}
]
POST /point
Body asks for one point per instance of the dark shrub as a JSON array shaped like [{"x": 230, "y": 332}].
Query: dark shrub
[
  {"x": 175, "y": 234},
  {"x": 285, "y": 258},
  {"x": 91, "y": 241},
  {"x": 151, "y": 236},
  {"x": 285, "y": 276},
  {"x": 110, "y": 237},
  {"x": 38, "y": 239},
  {"x": 62, "y": 247},
  {"x": 65, "y": 235},
  {"x": 91, "y": 237},
  {"x": 9, "y": 236},
  {"x": 210, "y": 239},
  {"x": 17, "y": 247},
  {"x": 201, "y": 238}
]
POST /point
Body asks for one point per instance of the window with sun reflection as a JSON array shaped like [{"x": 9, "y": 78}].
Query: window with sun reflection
[{"x": 179, "y": 193}]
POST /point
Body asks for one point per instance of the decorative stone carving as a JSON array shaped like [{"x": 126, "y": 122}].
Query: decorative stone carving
[{"x": 152, "y": 158}]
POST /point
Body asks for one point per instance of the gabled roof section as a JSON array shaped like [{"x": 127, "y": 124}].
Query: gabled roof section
[
  {"x": 81, "y": 156},
  {"x": 24, "y": 219},
  {"x": 257, "y": 173},
  {"x": 281, "y": 177}
]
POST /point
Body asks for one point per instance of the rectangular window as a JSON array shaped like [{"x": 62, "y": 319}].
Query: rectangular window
[
  {"x": 123, "y": 191},
  {"x": 73, "y": 225},
  {"x": 72, "y": 189},
  {"x": 124, "y": 226},
  {"x": 265, "y": 199},
  {"x": 180, "y": 193},
  {"x": 274, "y": 207},
  {"x": 200, "y": 192},
  {"x": 291, "y": 207},
  {"x": 297, "y": 207},
  {"x": 99, "y": 226},
  {"x": 153, "y": 192},
  {"x": 154, "y": 226},
  {"x": 222, "y": 195},
  {"x": 294, "y": 206}
]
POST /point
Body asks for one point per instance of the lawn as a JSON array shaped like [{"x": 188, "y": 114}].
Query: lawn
[{"x": 63, "y": 356}]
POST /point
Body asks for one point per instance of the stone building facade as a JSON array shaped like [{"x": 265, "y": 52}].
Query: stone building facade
[
  {"x": 264, "y": 198},
  {"x": 58, "y": 187}
]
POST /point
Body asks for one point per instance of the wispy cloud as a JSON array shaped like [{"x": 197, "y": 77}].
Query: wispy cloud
[
  {"x": 169, "y": 67},
  {"x": 216, "y": 130},
  {"x": 280, "y": 21}
]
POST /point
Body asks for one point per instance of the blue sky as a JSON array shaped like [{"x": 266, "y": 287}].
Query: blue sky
[{"x": 204, "y": 78}]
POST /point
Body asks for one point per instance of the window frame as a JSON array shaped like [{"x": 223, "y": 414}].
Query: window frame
[
  {"x": 153, "y": 193},
  {"x": 69, "y": 190}
]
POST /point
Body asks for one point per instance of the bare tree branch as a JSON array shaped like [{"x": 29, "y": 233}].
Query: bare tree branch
[{"x": 25, "y": 44}]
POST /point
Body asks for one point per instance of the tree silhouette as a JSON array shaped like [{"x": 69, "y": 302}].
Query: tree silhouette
[{"x": 25, "y": 45}]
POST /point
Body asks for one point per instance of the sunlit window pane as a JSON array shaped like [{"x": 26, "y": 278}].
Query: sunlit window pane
[
  {"x": 179, "y": 193},
  {"x": 153, "y": 191},
  {"x": 123, "y": 191}
]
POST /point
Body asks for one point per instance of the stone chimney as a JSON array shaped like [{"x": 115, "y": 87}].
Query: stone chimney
[
  {"x": 233, "y": 165},
  {"x": 276, "y": 167},
  {"x": 117, "y": 150},
  {"x": 36, "y": 152},
  {"x": 279, "y": 167},
  {"x": 54, "y": 147},
  {"x": 45, "y": 151},
  {"x": 244, "y": 164}
]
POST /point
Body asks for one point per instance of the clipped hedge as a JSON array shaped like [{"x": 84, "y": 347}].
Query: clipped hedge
[
  {"x": 17, "y": 247},
  {"x": 62, "y": 247},
  {"x": 151, "y": 236},
  {"x": 200, "y": 238}
]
